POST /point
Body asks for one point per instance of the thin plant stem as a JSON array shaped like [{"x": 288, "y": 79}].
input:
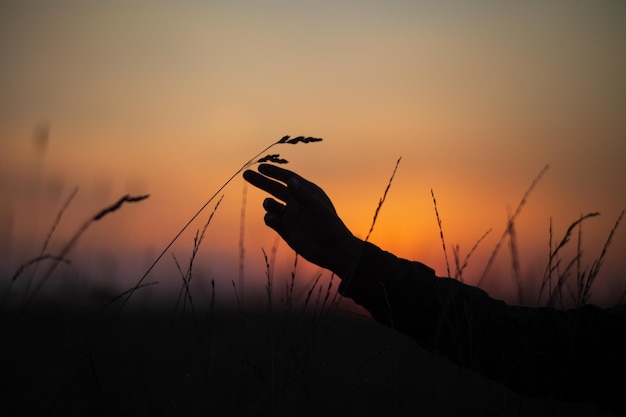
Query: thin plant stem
[
  {"x": 512, "y": 218},
  {"x": 382, "y": 200},
  {"x": 554, "y": 262},
  {"x": 42, "y": 253},
  {"x": 68, "y": 246},
  {"x": 252, "y": 161},
  {"x": 443, "y": 241},
  {"x": 469, "y": 254},
  {"x": 242, "y": 233}
]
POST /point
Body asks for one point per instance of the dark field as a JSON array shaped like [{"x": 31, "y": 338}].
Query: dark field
[{"x": 61, "y": 361}]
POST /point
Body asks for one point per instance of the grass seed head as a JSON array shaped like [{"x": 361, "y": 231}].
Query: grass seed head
[
  {"x": 298, "y": 139},
  {"x": 275, "y": 158}
]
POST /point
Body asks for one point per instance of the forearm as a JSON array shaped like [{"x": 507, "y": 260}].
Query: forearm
[{"x": 536, "y": 351}]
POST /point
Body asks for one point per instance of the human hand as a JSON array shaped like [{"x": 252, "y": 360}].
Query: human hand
[{"x": 307, "y": 220}]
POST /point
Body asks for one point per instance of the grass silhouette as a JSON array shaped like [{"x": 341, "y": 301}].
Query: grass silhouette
[
  {"x": 256, "y": 159},
  {"x": 62, "y": 255},
  {"x": 303, "y": 356},
  {"x": 382, "y": 199}
]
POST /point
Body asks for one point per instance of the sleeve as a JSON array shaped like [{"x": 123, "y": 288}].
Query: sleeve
[{"x": 574, "y": 355}]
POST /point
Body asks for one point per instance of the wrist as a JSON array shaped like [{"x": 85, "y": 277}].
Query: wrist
[{"x": 349, "y": 257}]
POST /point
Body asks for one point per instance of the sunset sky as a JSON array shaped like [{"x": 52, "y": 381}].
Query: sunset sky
[{"x": 171, "y": 98}]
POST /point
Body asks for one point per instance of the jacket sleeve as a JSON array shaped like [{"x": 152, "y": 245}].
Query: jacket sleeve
[{"x": 568, "y": 354}]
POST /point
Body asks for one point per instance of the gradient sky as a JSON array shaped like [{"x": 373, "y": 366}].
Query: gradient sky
[{"x": 171, "y": 98}]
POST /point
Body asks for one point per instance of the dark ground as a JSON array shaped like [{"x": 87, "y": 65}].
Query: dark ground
[{"x": 62, "y": 361}]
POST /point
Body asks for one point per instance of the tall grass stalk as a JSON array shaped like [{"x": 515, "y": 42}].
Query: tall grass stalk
[
  {"x": 382, "y": 200},
  {"x": 55, "y": 224},
  {"x": 512, "y": 219},
  {"x": 443, "y": 241},
  {"x": 459, "y": 269},
  {"x": 186, "y": 278},
  {"x": 43, "y": 256},
  {"x": 290, "y": 286},
  {"x": 242, "y": 234},
  {"x": 515, "y": 264},
  {"x": 554, "y": 264},
  {"x": 456, "y": 249},
  {"x": 70, "y": 244},
  {"x": 269, "y": 289},
  {"x": 585, "y": 282},
  {"x": 274, "y": 158},
  {"x": 188, "y": 275},
  {"x": 273, "y": 254}
]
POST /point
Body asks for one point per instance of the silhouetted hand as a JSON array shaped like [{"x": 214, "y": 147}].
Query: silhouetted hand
[{"x": 307, "y": 220}]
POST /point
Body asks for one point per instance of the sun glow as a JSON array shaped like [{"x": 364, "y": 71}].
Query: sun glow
[{"x": 171, "y": 100}]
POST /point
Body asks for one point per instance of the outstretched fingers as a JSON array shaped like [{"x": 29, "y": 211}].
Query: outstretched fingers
[{"x": 275, "y": 188}]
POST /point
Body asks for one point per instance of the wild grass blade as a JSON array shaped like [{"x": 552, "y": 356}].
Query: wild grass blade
[
  {"x": 185, "y": 286},
  {"x": 289, "y": 286},
  {"x": 42, "y": 254},
  {"x": 68, "y": 246},
  {"x": 270, "y": 311},
  {"x": 469, "y": 254},
  {"x": 382, "y": 200},
  {"x": 36, "y": 261},
  {"x": 512, "y": 218},
  {"x": 197, "y": 241},
  {"x": 515, "y": 264},
  {"x": 252, "y": 161},
  {"x": 242, "y": 233},
  {"x": 554, "y": 261},
  {"x": 443, "y": 241},
  {"x": 457, "y": 262},
  {"x": 58, "y": 219},
  {"x": 597, "y": 264}
]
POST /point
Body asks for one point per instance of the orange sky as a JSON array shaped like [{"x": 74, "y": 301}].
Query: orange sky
[{"x": 171, "y": 98}]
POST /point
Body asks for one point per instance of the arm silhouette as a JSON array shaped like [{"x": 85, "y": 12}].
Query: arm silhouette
[{"x": 567, "y": 354}]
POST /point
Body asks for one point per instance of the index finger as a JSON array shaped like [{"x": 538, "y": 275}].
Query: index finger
[
  {"x": 279, "y": 173},
  {"x": 275, "y": 188}
]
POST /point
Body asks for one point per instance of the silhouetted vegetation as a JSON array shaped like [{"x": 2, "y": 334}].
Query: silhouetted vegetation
[{"x": 304, "y": 356}]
